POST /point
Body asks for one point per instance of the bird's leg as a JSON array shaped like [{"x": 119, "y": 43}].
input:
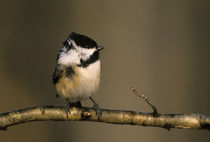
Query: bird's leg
[
  {"x": 68, "y": 105},
  {"x": 96, "y": 107}
]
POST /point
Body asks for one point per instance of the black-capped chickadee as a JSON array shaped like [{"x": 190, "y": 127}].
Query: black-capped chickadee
[{"x": 78, "y": 68}]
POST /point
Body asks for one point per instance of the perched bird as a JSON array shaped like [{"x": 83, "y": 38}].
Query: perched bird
[{"x": 78, "y": 68}]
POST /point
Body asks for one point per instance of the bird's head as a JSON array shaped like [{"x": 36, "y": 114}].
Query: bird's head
[{"x": 79, "y": 50}]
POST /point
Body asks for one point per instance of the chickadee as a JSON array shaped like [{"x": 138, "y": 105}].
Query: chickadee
[{"x": 78, "y": 68}]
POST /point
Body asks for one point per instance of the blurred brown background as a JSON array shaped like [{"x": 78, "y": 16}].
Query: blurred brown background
[{"x": 160, "y": 46}]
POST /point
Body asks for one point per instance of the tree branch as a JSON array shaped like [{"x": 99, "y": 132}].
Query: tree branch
[{"x": 52, "y": 113}]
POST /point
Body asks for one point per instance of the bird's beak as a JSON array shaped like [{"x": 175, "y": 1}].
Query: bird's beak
[{"x": 100, "y": 48}]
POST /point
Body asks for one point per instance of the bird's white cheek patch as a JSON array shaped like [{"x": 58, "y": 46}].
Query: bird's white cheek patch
[
  {"x": 70, "y": 57},
  {"x": 86, "y": 53}
]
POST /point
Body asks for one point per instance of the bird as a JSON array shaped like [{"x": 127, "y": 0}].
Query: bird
[{"x": 78, "y": 71}]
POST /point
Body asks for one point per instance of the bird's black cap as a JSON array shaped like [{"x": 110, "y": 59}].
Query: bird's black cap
[{"x": 83, "y": 41}]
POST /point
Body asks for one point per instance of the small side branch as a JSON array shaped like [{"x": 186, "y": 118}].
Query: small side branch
[
  {"x": 53, "y": 113},
  {"x": 155, "y": 112}
]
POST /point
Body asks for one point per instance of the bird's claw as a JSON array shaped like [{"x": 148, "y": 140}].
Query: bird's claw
[
  {"x": 67, "y": 107},
  {"x": 98, "y": 110}
]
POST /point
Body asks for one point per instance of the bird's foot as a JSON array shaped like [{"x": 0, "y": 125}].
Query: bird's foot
[
  {"x": 67, "y": 109},
  {"x": 68, "y": 105},
  {"x": 98, "y": 110}
]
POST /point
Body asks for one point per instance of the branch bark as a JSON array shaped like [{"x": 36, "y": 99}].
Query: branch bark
[{"x": 53, "y": 113}]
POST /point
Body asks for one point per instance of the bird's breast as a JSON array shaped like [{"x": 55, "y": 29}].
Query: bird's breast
[{"x": 81, "y": 84}]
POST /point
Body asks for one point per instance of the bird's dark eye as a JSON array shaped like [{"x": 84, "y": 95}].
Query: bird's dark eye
[{"x": 65, "y": 43}]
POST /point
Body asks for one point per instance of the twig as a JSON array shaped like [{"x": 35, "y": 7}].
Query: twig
[
  {"x": 155, "y": 112},
  {"x": 52, "y": 113}
]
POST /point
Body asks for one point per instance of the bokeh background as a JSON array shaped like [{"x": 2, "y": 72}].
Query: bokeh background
[{"x": 159, "y": 46}]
